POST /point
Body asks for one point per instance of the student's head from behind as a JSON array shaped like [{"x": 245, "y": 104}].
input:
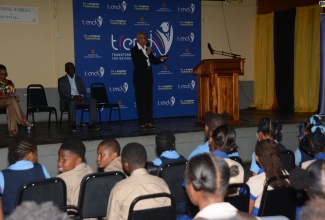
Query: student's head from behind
[
  {"x": 269, "y": 129},
  {"x": 107, "y": 151},
  {"x": 22, "y": 148},
  {"x": 313, "y": 143},
  {"x": 311, "y": 179},
  {"x": 134, "y": 156},
  {"x": 223, "y": 138},
  {"x": 268, "y": 156},
  {"x": 71, "y": 154},
  {"x": 165, "y": 140},
  {"x": 207, "y": 177},
  {"x": 214, "y": 120}
]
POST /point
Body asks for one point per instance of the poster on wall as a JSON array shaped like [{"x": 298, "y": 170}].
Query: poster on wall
[{"x": 104, "y": 33}]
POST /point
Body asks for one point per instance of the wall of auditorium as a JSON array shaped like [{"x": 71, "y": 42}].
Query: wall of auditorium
[{"x": 36, "y": 53}]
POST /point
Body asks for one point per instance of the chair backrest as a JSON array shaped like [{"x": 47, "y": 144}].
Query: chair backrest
[
  {"x": 287, "y": 159},
  {"x": 280, "y": 201},
  {"x": 152, "y": 169},
  {"x": 52, "y": 189},
  {"x": 94, "y": 193},
  {"x": 36, "y": 96},
  {"x": 239, "y": 196},
  {"x": 237, "y": 159},
  {"x": 159, "y": 213},
  {"x": 173, "y": 174},
  {"x": 98, "y": 92}
]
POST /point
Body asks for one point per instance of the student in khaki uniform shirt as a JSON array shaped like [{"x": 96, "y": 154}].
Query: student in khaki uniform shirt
[
  {"x": 72, "y": 167},
  {"x": 108, "y": 155},
  {"x": 140, "y": 182}
]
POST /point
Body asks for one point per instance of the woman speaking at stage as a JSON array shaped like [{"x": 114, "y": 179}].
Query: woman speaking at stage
[{"x": 143, "y": 59}]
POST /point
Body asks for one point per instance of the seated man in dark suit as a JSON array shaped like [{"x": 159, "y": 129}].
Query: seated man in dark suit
[{"x": 72, "y": 93}]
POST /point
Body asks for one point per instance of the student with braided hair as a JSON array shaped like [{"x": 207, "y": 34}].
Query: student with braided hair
[
  {"x": 267, "y": 129},
  {"x": 23, "y": 167},
  {"x": 314, "y": 144},
  {"x": 268, "y": 156}
]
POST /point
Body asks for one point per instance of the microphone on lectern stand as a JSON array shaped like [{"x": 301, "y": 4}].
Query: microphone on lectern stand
[{"x": 210, "y": 49}]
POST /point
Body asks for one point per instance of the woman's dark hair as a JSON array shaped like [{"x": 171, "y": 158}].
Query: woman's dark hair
[
  {"x": 19, "y": 148},
  {"x": 268, "y": 153},
  {"x": 165, "y": 140},
  {"x": 224, "y": 138},
  {"x": 3, "y": 67},
  {"x": 206, "y": 172},
  {"x": 311, "y": 179},
  {"x": 270, "y": 127},
  {"x": 313, "y": 143}
]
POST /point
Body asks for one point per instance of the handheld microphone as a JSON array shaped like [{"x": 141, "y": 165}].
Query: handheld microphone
[
  {"x": 210, "y": 49},
  {"x": 148, "y": 44}
]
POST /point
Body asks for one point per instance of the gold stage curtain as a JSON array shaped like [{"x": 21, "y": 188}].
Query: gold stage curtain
[
  {"x": 264, "y": 62},
  {"x": 306, "y": 59}
]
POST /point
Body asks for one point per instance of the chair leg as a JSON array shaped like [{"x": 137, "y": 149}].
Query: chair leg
[
  {"x": 100, "y": 117},
  {"x": 119, "y": 115},
  {"x": 60, "y": 120},
  {"x": 110, "y": 115},
  {"x": 49, "y": 122},
  {"x": 82, "y": 117},
  {"x": 56, "y": 119}
]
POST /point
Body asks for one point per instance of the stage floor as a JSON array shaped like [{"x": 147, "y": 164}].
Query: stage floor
[{"x": 41, "y": 135}]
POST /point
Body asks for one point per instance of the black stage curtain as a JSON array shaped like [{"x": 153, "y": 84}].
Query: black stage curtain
[{"x": 284, "y": 27}]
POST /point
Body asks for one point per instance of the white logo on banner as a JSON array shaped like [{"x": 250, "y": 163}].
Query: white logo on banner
[
  {"x": 100, "y": 72},
  {"x": 191, "y": 85},
  {"x": 170, "y": 102},
  {"x": 98, "y": 21},
  {"x": 189, "y": 9},
  {"x": 123, "y": 88},
  {"x": 189, "y": 38},
  {"x": 166, "y": 37},
  {"x": 122, "y": 6}
]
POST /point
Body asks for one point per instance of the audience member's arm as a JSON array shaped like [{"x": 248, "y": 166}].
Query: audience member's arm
[
  {"x": 251, "y": 205},
  {"x": 113, "y": 208},
  {"x": 1, "y": 211}
]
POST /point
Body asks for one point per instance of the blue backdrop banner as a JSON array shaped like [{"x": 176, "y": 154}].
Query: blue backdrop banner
[{"x": 104, "y": 33}]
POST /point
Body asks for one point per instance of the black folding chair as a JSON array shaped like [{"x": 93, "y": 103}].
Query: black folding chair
[
  {"x": 280, "y": 201},
  {"x": 37, "y": 102},
  {"x": 39, "y": 191},
  {"x": 287, "y": 159},
  {"x": 98, "y": 92},
  {"x": 173, "y": 174},
  {"x": 94, "y": 193},
  {"x": 159, "y": 213},
  {"x": 239, "y": 196}
]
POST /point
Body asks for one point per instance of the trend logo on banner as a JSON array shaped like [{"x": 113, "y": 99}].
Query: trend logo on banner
[
  {"x": 123, "y": 88},
  {"x": 189, "y": 9},
  {"x": 191, "y": 85},
  {"x": 98, "y": 21},
  {"x": 100, "y": 72},
  {"x": 165, "y": 38},
  {"x": 170, "y": 102},
  {"x": 189, "y": 38},
  {"x": 122, "y": 6}
]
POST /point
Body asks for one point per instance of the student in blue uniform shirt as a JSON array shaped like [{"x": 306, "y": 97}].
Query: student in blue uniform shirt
[
  {"x": 23, "y": 167},
  {"x": 166, "y": 150}
]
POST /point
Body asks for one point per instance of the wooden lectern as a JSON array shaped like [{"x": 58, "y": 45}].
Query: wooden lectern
[{"x": 217, "y": 81}]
